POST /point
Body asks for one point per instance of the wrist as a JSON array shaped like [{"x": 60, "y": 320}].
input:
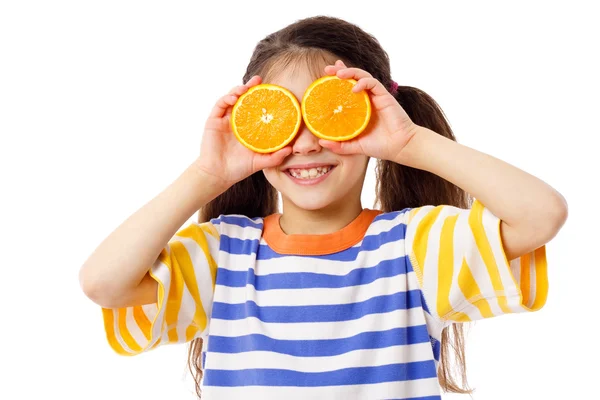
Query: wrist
[
  {"x": 209, "y": 178},
  {"x": 417, "y": 153},
  {"x": 206, "y": 185}
]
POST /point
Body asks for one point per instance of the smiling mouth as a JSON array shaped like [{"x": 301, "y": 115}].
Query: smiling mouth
[{"x": 309, "y": 174}]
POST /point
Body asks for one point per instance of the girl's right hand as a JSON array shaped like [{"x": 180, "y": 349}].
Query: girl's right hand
[{"x": 221, "y": 154}]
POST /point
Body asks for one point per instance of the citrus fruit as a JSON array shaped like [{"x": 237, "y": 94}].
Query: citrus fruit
[
  {"x": 332, "y": 111},
  {"x": 266, "y": 118}
]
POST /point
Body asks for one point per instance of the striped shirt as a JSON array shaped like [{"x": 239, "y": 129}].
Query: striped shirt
[{"x": 356, "y": 314}]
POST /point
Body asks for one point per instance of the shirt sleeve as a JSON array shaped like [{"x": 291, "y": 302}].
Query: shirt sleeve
[
  {"x": 186, "y": 272},
  {"x": 460, "y": 263}
]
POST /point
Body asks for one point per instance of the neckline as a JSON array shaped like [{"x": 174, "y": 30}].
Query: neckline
[{"x": 308, "y": 244}]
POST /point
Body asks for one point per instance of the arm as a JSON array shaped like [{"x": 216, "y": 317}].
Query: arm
[
  {"x": 116, "y": 273},
  {"x": 531, "y": 211}
]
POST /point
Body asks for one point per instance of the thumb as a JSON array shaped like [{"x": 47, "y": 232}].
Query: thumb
[
  {"x": 345, "y": 147},
  {"x": 263, "y": 161}
]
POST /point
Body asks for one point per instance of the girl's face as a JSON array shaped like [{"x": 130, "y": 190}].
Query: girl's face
[{"x": 312, "y": 177}]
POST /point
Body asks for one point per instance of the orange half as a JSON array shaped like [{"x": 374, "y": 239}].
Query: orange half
[
  {"x": 332, "y": 111},
  {"x": 266, "y": 118}
]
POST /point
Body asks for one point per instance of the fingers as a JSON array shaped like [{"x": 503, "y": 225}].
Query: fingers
[
  {"x": 347, "y": 147},
  {"x": 229, "y": 100},
  {"x": 333, "y": 69},
  {"x": 238, "y": 90},
  {"x": 241, "y": 89},
  {"x": 255, "y": 80},
  {"x": 370, "y": 84},
  {"x": 223, "y": 104},
  {"x": 272, "y": 159},
  {"x": 353, "y": 73},
  {"x": 365, "y": 80}
]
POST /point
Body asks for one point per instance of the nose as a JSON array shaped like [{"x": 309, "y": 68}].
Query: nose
[{"x": 305, "y": 142}]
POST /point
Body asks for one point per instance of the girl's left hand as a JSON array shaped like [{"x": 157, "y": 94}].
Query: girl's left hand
[{"x": 390, "y": 127}]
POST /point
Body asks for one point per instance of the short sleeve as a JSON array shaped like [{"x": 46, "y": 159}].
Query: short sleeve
[
  {"x": 460, "y": 263},
  {"x": 186, "y": 272}
]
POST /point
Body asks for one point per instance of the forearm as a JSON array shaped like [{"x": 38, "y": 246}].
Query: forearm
[
  {"x": 516, "y": 197},
  {"x": 122, "y": 260}
]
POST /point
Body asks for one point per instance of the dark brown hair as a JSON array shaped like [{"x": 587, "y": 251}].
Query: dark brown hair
[{"x": 312, "y": 43}]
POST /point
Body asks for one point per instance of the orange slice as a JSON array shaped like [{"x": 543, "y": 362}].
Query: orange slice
[
  {"x": 266, "y": 118},
  {"x": 332, "y": 111}
]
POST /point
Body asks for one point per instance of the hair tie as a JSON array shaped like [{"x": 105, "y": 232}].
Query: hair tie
[{"x": 394, "y": 88}]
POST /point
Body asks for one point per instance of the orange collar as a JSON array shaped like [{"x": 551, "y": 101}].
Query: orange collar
[{"x": 314, "y": 245}]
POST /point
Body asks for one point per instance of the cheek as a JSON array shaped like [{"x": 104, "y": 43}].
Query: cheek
[
  {"x": 272, "y": 175},
  {"x": 355, "y": 165}
]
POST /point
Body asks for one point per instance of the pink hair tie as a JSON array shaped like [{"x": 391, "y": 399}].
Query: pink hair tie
[{"x": 394, "y": 88}]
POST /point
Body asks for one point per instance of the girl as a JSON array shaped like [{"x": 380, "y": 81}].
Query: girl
[{"x": 327, "y": 299}]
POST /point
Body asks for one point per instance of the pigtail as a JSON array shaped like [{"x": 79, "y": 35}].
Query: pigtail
[
  {"x": 252, "y": 197},
  {"x": 399, "y": 187}
]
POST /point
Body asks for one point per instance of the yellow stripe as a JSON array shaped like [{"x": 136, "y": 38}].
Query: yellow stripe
[
  {"x": 198, "y": 236},
  {"x": 155, "y": 345},
  {"x": 161, "y": 296},
  {"x": 412, "y": 213},
  {"x": 181, "y": 270},
  {"x": 203, "y": 243},
  {"x": 124, "y": 331},
  {"x": 210, "y": 229},
  {"x": 541, "y": 278},
  {"x": 161, "y": 288},
  {"x": 524, "y": 262},
  {"x": 191, "y": 331},
  {"x": 142, "y": 321},
  {"x": 446, "y": 271},
  {"x": 186, "y": 275},
  {"x": 459, "y": 316},
  {"x": 189, "y": 278},
  {"x": 175, "y": 290},
  {"x": 470, "y": 289},
  {"x": 109, "y": 327},
  {"x": 485, "y": 249},
  {"x": 421, "y": 237}
]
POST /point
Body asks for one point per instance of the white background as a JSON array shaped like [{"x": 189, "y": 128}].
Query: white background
[{"x": 102, "y": 105}]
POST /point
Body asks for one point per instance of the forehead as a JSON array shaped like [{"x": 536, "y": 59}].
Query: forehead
[
  {"x": 296, "y": 81},
  {"x": 297, "y": 73}
]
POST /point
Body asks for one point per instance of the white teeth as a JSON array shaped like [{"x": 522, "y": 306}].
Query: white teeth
[{"x": 310, "y": 173}]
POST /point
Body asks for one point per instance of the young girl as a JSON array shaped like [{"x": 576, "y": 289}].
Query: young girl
[{"x": 327, "y": 299}]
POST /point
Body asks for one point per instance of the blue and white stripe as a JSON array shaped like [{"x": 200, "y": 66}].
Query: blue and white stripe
[{"x": 295, "y": 324}]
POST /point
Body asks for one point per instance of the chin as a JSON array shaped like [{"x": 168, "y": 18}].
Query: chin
[
  {"x": 309, "y": 198},
  {"x": 308, "y": 202}
]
